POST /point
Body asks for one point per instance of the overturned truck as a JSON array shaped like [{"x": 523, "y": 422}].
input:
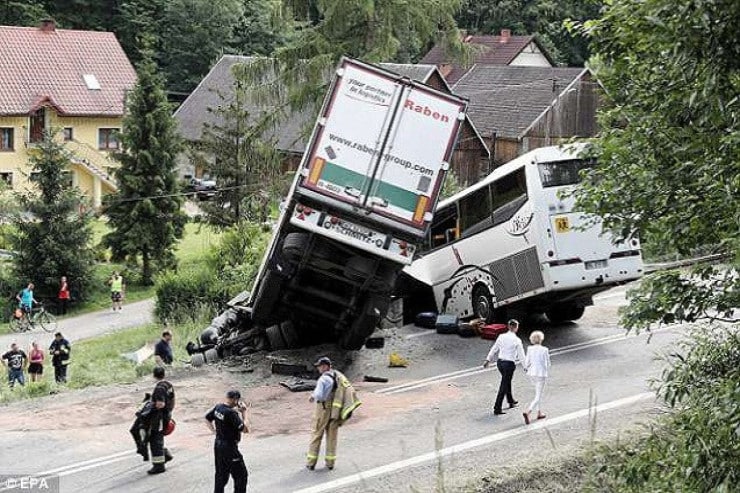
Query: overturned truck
[{"x": 362, "y": 197}]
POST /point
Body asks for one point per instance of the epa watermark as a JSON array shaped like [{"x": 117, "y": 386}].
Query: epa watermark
[{"x": 29, "y": 483}]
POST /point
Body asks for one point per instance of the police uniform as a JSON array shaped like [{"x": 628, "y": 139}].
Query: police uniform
[
  {"x": 229, "y": 461},
  {"x": 163, "y": 392}
]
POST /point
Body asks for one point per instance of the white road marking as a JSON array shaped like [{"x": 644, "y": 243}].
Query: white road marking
[
  {"x": 465, "y": 446},
  {"x": 424, "y": 382},
  {"x": 611, "y": 295},
  {"x": 419, "y": 334}
]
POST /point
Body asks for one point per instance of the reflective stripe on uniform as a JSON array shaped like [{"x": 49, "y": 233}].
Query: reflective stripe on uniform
[{"x": 311, "y": 456}]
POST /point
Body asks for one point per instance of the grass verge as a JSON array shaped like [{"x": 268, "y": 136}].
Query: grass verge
[{"x": 99, "y": 361}]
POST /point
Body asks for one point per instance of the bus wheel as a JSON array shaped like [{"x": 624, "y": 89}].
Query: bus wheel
[
  {"x": 483, "y": 304},
  {"x": 558, "y": 314}
]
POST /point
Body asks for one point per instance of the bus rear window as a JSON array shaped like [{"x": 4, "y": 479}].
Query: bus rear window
[{"x": 560, "y": 173}]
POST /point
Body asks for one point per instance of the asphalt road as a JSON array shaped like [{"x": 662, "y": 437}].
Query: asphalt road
[
  {"x": 436, "y": 423},
  {"x": 86, "y": 326}
]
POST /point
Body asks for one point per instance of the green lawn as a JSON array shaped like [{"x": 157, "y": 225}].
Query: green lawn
[
  {"x": 192, "y": 249},
  {"x": 98, "y": 361}
]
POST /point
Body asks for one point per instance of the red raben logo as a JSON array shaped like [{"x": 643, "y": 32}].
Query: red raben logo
[{"x": 426, "y": 111}]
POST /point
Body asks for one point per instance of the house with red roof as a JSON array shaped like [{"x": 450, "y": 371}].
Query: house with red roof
[
  {"x": 68, "y": 82},
  {"x": 505, "y": 49}
]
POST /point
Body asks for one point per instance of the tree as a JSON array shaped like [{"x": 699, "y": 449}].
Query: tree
[
  {"x": 669, "y": 149},
  {"x": 138, "y": 26},
  {"x": 245, "y": 164},
  {"x": 541, "y": 17},
  {"x": 191, "y": 47},
  {"x": 145, "y": 212},
  {"x": 52, "y": 239},
  {"x": 295, "y": 77},
  {"x": 260, "y": 29},
  {"x": 21, "y": 13}
]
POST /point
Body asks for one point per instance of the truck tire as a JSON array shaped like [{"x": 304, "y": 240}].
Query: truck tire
[
  {"x": 275, "y": 338},
  {"x": 294, "y": 245},
  {"x": 267, "y": 297},
  {"x": 197, "y": 360},
  {"x": 289, "y": 334},
  {"x": 364, "y": 325},
  {"x": 211, "y": 355}
]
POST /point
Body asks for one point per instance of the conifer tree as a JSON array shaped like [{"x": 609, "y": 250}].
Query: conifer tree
[
  {"x": 52, "y": 237},
  {"x": 145, "y": 214}
]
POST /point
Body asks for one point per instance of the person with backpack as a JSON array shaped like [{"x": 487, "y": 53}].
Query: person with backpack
[{"x": 335, "y": 400}]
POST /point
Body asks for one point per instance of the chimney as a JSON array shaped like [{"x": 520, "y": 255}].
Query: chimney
[
  {"x": 505, "y": 35},
  {"x": 48, "y": 25}
]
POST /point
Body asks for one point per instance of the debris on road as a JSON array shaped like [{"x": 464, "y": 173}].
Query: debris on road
[
  {"x": 299, "y": 385},
  {"x": 368, "y": 378},
  {"x": 395, "y": 360},
  {"x": 375, "y": 343}
]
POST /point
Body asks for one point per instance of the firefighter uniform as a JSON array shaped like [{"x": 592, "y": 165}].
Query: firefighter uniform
[
  {"x": 163, "y": 392},
  {"x": 323, "y": 424},
  {"x": 60, "y": 349}
]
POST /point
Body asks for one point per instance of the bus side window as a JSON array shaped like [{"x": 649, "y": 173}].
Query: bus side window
[
  {"x": 444, "y": 226},
  {"x": 509, "y": 195},
  {"x": 475, "y": 211}
]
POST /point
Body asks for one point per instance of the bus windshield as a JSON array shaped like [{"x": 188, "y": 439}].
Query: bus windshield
[{"x": 560, "y": 173}]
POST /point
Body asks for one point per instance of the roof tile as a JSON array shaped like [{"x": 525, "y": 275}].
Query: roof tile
[{"x": 38, "y": 66}]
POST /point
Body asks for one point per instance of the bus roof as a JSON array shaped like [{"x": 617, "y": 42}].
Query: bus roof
[{"x": 544, "y": 154}]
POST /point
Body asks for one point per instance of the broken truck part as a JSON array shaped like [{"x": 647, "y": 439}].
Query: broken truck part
[{"x": 363, "y": 196}]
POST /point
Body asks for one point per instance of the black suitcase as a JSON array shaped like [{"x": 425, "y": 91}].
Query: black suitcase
[
  {"x": 426, "y": 320},
  {"x": 467, "y": 330},
  {"x": 447, "y": 324}
]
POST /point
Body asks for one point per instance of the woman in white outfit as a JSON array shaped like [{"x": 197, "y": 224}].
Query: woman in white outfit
[{"x": 537, "y": 365}]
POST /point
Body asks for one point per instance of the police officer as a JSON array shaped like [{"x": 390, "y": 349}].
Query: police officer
[
  {"x": 163, "y": 400},
  {"x": 228, "y": 421}
]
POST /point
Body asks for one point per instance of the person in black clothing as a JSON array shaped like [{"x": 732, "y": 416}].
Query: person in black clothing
[
  {"x": 163, "y": 350},
  {"x": 163, "y": 400},
  {"x": 228, "y": 421},
  {"x": 60, "y": 349}
]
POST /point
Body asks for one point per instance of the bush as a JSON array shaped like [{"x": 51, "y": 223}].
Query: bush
[
  {"x": 697, "y": 446},
  {"x": 230, "y": 269}
]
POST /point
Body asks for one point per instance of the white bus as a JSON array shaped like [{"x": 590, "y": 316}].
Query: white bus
[{"x": 513, "y": 243}]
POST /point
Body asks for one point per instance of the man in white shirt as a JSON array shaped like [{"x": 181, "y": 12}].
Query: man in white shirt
[{"x": 507, "y": 351}]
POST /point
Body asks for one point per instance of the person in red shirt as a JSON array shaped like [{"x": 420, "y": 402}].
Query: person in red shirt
[
  {"x": 36, "y": 358},
  {"x": 63, "y": 296}
]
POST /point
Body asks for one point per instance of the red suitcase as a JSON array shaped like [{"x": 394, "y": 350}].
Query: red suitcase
[{"x": 492, "y": 331}]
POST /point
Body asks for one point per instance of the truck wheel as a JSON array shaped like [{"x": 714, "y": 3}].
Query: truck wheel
[
  {"x": 197, "y": 360},
  {"x": 275, "y": 338},
  {"x": 359, "y": 268},
  {"x": 364, "y": 325},
  {"x": 211, "y": 355},
  {"x": 267, "y": 297},
  {"x": 294, "y": 245},
  {"x": 483, "y": 304},
  {"x": 289, "y": 334}
]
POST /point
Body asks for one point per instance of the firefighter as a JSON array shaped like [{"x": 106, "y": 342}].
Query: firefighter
[
  {"x": 229, "y": 421},
  {"x": 333, "y": 406},
  {"x": 163, "y": 401}
]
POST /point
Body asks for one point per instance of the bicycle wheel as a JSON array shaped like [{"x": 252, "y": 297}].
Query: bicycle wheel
[{"x": 47, "y": 321}]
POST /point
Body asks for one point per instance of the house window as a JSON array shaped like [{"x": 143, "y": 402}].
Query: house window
[
  {"x": 6, "y": 139},
  {"x": 38, "y": 125},
  {"x": 6, "y": 177},
  {"x": 108, "y": 138},
  {"x": 68, "y": 134}
]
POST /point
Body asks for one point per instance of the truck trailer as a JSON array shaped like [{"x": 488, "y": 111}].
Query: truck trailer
[{"x": 362, "y": 199}]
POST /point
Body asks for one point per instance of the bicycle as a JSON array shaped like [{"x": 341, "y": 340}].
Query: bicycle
[{"x": 27, "y": 321}]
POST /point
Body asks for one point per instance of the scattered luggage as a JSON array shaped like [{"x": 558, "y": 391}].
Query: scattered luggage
[
  {"x": 426, "y": 320},
  {"x": 447, "y": 324},
  {"x": 491, "y": 331},
  {"x": 467, "y": 330}
]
